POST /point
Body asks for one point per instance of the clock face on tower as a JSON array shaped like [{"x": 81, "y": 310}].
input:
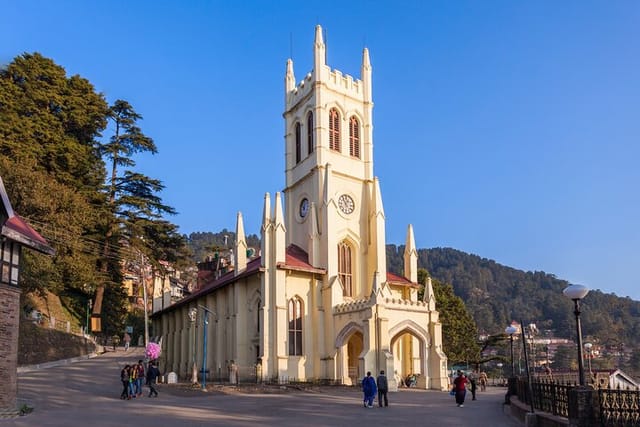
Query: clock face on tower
[
  {"x": 304, "y": 207},
  {"x": 346, "y": 204}
]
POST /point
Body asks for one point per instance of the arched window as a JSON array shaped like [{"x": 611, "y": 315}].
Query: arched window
[
  {"x": 345, "y": 268},
  {"x": 295, "y": 327},
  {"x": 334, "y": 129},
  {"x": 354, "y": 137},
  {"x": 310, "y": 132},
  {"x": 298, "y": 144}
]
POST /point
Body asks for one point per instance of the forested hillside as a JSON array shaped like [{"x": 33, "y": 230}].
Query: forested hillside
[
  {"x": 496, "y": 295},
  {"x": 204, "y": 244}
]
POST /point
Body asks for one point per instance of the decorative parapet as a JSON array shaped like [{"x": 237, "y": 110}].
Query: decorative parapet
[
  {"x": 336, "y": 81},
  {"x": 353, "y": 306},
  {"x": 389, "y": 303},
  {"x": 404, "y": 304}
]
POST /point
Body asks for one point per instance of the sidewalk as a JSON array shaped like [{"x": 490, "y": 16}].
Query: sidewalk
[{"x": 87, "y": 392}]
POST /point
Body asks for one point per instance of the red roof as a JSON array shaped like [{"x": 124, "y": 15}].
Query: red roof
[
  {"x": 17, "y": 229},
  {"x": 394, "y": 279},
  {"x": 298, "y": 259}
]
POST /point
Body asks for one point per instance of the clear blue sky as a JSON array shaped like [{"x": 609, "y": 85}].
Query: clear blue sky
[{"x": 506, "y": 129}]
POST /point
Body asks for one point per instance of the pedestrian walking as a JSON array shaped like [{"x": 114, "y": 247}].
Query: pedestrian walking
[
  {"x": 483, "y": 381},
  {"x": 473, "y": 380},
  {"x": 152, "y": 375},
  {"x": 124, "y": 377},
  {"x": 460, "y": 388},
  {"x": 139, "y": 377},
  {"x": 383, "y": 388},
  {"x": 127, "y": 341},
  {"x": 133, "y": 376},
  {"x": 369, "y": 389}
]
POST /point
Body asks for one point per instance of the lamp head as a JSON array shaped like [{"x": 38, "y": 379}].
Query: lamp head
[{"x": 575, "y": 292}]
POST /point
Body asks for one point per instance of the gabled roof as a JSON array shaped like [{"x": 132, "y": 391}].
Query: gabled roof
[
  {"x": 297, "y": 259},
  {"x": 394, "y": 279},
  {"x": 17, "y": 229}
]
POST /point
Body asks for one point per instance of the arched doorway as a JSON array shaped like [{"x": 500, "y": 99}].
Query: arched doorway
[
  {"x": 354, "y": 349},
  {"x": 409, "y": 343}
]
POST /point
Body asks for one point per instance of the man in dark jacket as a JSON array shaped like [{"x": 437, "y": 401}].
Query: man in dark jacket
[
  {"x": 152, "y": 374},
  {"x": 383, "y": 387}
]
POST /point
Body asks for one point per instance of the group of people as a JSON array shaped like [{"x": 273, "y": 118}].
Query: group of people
[
  {"x": 460, "y": 385},
  {"x": 371, "y": 386},
  {"x": 132, "y": 377}
]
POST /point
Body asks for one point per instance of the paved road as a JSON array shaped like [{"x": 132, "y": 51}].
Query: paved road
[{"x": 86, "y": 393}]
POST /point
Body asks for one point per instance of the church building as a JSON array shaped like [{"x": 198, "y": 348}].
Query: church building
[{"x": 316, "y": 303}]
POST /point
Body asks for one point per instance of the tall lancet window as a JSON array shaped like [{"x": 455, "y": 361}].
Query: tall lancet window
[
  {"x": 298, "y": 144},
  {"x": 334, "y": 129},
  {"x": 354, "y": 137},
  {"x": 345, "y": 268},
  {"x": 310, "y": 133},
  {"x": 295, "y": 327}
]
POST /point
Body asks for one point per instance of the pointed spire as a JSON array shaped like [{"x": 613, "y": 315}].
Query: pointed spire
[
  {"x": 266, "y": 211},
  {"x": 279, "y": 231},
  {"x": 377, "y": 199},
  {"x": 241, "y": 246},
  {"x": 366, "y": 63},
  {"x": 290, "y": 78},
  {"x": 318, "y": 54},
  {"x": 375, "y": 284},
  {"x": 429, "y": 296},
  {"x": 365, "y": 74},
  {"x": 318, "y": 40},
  {"x": 278, "y": 216},
  {"x": 314, "y": 237},
  {"x": 410, "y": 256},
  {"x": 265, "y": 232},
  {"x": 327, "y": 185}
]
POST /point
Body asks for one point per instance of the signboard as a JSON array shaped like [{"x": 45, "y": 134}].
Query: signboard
[{"x": 129, "y": 329}]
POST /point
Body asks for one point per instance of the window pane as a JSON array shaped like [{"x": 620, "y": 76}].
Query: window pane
[
  {"x": 15, "y": 260},
  {"x": 14, "y": 275},
  {"x": 299, "y": 343},
  {"x": 5, "y": 272},
  {"x": 6, "y": 253},
  {"x": 310, "y": 133}
]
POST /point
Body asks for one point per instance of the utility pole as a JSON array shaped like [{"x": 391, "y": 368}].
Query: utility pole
[{"x": 144, "y": 298}]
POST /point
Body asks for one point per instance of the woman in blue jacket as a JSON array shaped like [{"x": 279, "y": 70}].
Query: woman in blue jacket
[{"x": 369, "y": 389}]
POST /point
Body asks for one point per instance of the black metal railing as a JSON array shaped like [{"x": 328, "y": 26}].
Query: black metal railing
[
  {"x": 548, "y": 395},
  {"x": 615, "y": 407},
  {"x": 619, "y": 408}
]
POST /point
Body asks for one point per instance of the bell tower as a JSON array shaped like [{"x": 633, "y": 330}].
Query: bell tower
[{"x": 333, "y": 203}]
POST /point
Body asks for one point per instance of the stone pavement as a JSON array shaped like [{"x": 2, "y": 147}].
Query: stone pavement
[{"x": 86, "y": 393}]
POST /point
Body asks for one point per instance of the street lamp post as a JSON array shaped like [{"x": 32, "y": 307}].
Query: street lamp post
[
  {"x": 589, "y": 347},
  {"x": 511, "y": 330},
  {"x": 193, "y": 312},
  {"x": 576, "y": 293},
  {"x": 89, "y": 304},
  {"x": 205, "y": 321}
]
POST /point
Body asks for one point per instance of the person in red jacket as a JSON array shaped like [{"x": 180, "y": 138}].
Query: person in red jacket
[{"x": 460, "y": 388}]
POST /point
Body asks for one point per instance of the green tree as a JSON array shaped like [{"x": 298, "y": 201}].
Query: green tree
[
  {"x": 132, "y": 199},
  {"x": 459, "y": 331},
  {"x": 48, "y": 128}
]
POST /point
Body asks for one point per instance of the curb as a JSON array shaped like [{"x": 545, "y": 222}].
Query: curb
[{"x": 39, "y": 366}]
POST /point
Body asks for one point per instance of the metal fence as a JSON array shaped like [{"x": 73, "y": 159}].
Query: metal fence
[
  {"x": 614, "y": 407},
  {"x": 619, "y": 408}
]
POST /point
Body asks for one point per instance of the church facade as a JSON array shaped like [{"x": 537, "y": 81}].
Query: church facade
[{"x": 317, "y": 303}]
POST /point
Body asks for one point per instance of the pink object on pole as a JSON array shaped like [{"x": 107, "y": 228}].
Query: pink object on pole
[{"x": 153, "y": 350}]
